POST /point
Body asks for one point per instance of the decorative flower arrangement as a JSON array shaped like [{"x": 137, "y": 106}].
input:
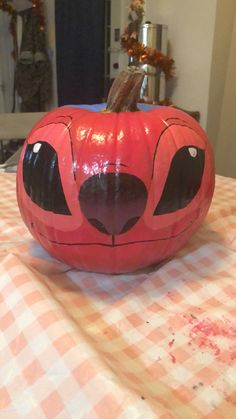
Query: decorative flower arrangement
[
  {"x": 8, "y": 8},
  {"x": 137, "y": 50}
]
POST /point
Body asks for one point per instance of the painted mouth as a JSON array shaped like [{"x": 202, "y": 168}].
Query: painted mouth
[{"x": 113, "y": 243}]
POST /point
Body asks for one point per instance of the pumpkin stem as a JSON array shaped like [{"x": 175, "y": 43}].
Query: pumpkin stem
[{"x": 125, "y": 90}]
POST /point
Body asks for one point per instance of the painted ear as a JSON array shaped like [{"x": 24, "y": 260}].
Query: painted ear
[
  {"x": 183, "y": 181},
  {"x": 42, "y": 179}
]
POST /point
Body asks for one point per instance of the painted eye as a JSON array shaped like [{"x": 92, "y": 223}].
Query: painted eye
[
  {"x": 42, "y": 180},
  {"x": 192, "y": 151},
  {"x": 183, "y": 180},
  {"x": 37, "y": 147}
]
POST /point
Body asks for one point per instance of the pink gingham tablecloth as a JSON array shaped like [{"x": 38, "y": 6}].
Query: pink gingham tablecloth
[{"x": 156, "y": 344}]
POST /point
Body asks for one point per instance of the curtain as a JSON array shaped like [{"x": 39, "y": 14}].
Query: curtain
[{"x": 80, "y": 50}]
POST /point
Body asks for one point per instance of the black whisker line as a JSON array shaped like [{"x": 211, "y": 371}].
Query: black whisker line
[
  {"x": 113, "y": 244},
  {"x": 178, "y": 119},
  {"x": 64, "y": 116}
]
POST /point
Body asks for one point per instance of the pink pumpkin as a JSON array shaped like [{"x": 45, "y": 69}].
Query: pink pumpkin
[{"x": 114, "y": 192}]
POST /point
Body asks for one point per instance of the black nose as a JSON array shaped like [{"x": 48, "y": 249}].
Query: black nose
[{"x": 113, "y": 202}]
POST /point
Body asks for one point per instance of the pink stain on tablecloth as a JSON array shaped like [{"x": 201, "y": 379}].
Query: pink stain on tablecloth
[
  {"x": 218, "y": 336},
  {"x": 171, "y": 343},
  {"x": 173, "y": 358}
]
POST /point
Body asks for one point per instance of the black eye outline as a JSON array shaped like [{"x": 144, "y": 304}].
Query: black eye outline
[
  {"x": 41, "y": 178},
  {"x": 181, "y": 123},
  {"x": 69, "y": 133},
  {"x": 183, "y": 180}
]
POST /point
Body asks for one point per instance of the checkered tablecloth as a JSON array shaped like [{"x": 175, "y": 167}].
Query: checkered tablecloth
[{"x": 157, "y": 344}]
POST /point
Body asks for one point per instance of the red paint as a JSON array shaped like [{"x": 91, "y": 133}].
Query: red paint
[
  {"x": 204, "y": 332},
  {"x": 171, "y": 343},
  {"x": 207, "y": 343},
  {"x": 173, "y": 359},
  {"x": 208, "y": 328}
]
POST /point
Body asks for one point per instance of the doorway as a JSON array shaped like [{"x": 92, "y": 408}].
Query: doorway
[{"x": 80, "y": 43}]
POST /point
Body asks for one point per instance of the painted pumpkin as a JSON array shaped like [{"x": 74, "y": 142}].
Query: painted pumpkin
[{"x": 114, "y": 192}]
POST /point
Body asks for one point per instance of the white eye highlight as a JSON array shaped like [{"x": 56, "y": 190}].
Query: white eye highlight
[
  {"x": 192, "y": 151},
  {"x": 37, "y": 147}
]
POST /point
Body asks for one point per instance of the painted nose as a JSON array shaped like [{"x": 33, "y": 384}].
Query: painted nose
[{"x": 113, "y": 202}]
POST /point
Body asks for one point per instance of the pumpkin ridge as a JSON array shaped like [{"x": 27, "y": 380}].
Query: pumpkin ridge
[{"x": 85, "y": 142}]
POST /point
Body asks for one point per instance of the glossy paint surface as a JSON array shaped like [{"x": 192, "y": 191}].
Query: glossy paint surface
[{"x": 111, "y": 192}]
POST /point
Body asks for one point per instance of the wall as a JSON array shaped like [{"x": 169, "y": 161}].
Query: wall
[
  {"x": 115, "y": 51},
  {"x": 119, "y": 19},
  {"x": 191, "y": 33},
  {"x": 220, "y": 60},
  {"x": 225, "y": 142},
  {"x": 123, "y": 59}
]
